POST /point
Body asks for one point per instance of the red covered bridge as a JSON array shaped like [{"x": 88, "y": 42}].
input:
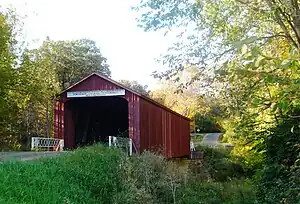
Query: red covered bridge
[{"x": 97, "y": 107}]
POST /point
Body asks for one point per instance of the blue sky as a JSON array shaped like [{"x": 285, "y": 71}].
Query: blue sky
[{"x": 130, "y": 51}]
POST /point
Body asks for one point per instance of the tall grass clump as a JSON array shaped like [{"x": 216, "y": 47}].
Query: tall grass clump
[
  {"x": 101, "y": 175},
  {"x": 162, "y": 181},
  {"x": 221, "y": 164},
  {"x": 88, "y": 175}
]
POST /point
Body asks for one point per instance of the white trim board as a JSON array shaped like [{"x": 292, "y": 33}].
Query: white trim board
[{"x": 96, "y": 93}]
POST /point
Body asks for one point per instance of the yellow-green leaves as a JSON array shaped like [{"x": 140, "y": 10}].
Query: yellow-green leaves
[
  {"x": 244, "y": 42},
  {"x": 285, "y": 63},
  {"x": 258, "y": 61}
]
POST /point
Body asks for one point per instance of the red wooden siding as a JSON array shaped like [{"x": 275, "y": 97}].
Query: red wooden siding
[
  {"x": 94, "y": 82},
  {"x": 58, "y": 119},
  {"x": 69, "y": 127},
  {"x": 162, "y": 130},
  {"x": 151, "y": 125}
]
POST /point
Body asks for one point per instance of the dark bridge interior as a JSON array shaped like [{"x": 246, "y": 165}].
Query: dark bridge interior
[{"x": 96, "y": 118}]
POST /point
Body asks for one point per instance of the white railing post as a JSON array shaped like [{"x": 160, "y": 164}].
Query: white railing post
[
  {"x": 61, "y": 145},
  {"x": 115, "y": 141},
  {"x": 32, "y": 143},
  {"x": 121, "y": 142},
  {"x": 109, "y": 141},
  {"x": 130, "y": 147},
  {"x": 192, "y": 147}
]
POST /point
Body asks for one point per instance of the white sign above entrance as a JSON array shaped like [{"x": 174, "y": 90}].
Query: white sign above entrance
[{"x": 78, "y": 94}]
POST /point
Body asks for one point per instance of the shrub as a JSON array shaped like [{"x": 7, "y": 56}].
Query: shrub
[
  {"x": 279, "y": 179},
  {"x": 233, "y": 192},
  {"x": 221, "y": 165},
  {"x": 163, "y": 181},
  {"x": 154, "y": 175},
  {"x": 279, "y": 184}
]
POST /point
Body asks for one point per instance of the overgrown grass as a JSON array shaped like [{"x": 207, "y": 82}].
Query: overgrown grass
[
  {"x": 88, "y": 175},
  {"x": 221, "y": 164},
  {"x": 101, "y": 175}
]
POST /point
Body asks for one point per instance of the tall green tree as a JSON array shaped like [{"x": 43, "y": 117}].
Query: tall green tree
[
  {"x": 71, "y": 60},
  {"x": 184, "y": 102},
  {"x": 183, "y": 94},
  {"x": 200, "y": 108},
  {"x": 8, "y": 57},
  {"x": 136, "y": 86}
]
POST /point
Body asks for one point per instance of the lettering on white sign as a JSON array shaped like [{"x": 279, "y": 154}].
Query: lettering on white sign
[{"x": 78, "y": 94}]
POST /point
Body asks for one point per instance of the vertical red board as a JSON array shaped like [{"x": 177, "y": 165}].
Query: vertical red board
[
  {"x": 163, "y": 131},
  {"x": 55, "y": 120},
  {"x": 58, "y": 125}
]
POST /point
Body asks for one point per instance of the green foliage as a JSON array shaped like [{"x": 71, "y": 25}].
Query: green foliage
[
  {"x": 278, "y": 183},
  {"x": 100, "y": 175},
  {"x": 221, "y": 164},
  {"x": 88, "y": 175},
  {"x": 8, "y": 56},
  {"x": 183, "y": 94},
  {"x": 215, "y": 31},
  {"x": 207, "y": 123},
  {"x": 184, "y": 101},
  {"x": 134, "y": 85},
  {"x": 233, "y": 192},
  {"x": 70, "y": 60},
  {"x": 279, "y": 180},
  {"x": 149, "y": 173}
]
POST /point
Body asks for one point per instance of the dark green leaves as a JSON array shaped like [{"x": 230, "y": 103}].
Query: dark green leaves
[
  {"x": 256, "y": 101},
  {"x": 283, "y": 105}
]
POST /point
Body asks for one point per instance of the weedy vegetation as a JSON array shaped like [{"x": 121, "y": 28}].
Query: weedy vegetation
[{"x": 98, "y": 174}]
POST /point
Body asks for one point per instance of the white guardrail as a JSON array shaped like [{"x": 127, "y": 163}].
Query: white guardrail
[
  {"x": 121, "y": 142},
  {"x": 192, "y": 147},
  {"x": 42, "y": 142}
]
